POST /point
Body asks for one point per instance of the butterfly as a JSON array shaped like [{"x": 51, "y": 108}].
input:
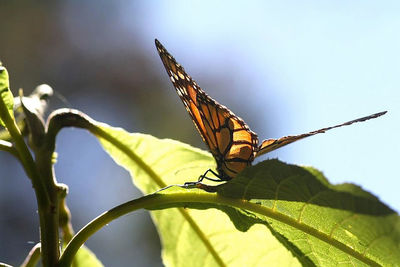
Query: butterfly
[{"x": 229, "y": 139}]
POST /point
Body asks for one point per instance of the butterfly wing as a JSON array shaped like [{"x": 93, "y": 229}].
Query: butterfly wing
[
  {"x": 272, "y": 144},
  {"x": 228, "y": 137},
  {"x": 186, "y": 88}
]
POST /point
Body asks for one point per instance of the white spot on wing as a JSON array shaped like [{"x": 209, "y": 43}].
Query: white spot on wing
[
  {"x": 183, "y": 89},
  {"x": 181, "y": 75}
]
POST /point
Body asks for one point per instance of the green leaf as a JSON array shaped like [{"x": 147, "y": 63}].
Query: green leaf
[
  {"x": 6, "y": 96},
  {"x": 191, "y": 237},
  {"x": 290, "y": 214},
  {"x": 331, "y": 224},
  {"x": 84, "y": 257}
]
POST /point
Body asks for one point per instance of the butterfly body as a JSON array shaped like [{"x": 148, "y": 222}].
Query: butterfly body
[{"x": 231, "y": 142}]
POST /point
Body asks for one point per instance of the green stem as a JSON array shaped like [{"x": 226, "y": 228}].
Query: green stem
[
  {"x": 23, "y": 152},
  {"x": 49, "y": 213},
  {"x": 77, "y": 241},
  {"x": 44, "y": 197},
  {"x": 65, "y": 221}
]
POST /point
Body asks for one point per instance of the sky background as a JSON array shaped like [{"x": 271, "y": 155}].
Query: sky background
[{"x": 285, "y": 67}]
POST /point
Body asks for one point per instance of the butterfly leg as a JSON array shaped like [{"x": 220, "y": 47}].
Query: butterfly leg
[
  {"x": 200, "y": 185},
  {"x": 204, "y": 176}
]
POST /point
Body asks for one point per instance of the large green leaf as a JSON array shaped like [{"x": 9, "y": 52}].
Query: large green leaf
[
  {"x": 192, "y": 237},
  {"x": 330, "y": 224},
  {"x": 279, "y": 214},
  {"x": 6, "y": 96}
]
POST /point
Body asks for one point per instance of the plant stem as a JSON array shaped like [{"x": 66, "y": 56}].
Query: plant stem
[
  {"x": 96, "y": 224},
  {"x": 46, "y": 189},
  {"x": 49, "y": 213},
  {"x": 45, "y": 196},
  {"x": 65, "y": 221}
]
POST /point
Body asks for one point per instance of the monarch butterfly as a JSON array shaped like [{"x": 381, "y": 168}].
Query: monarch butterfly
[{"x": 231, "y": 142}]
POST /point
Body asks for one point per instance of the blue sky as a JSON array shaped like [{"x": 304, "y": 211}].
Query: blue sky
[
  {"x": 299, "y": 66},
  {"x": 285, "y": 67}
]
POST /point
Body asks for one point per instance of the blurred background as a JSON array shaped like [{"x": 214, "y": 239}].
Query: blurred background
[{"x": 285, "y": 67}]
